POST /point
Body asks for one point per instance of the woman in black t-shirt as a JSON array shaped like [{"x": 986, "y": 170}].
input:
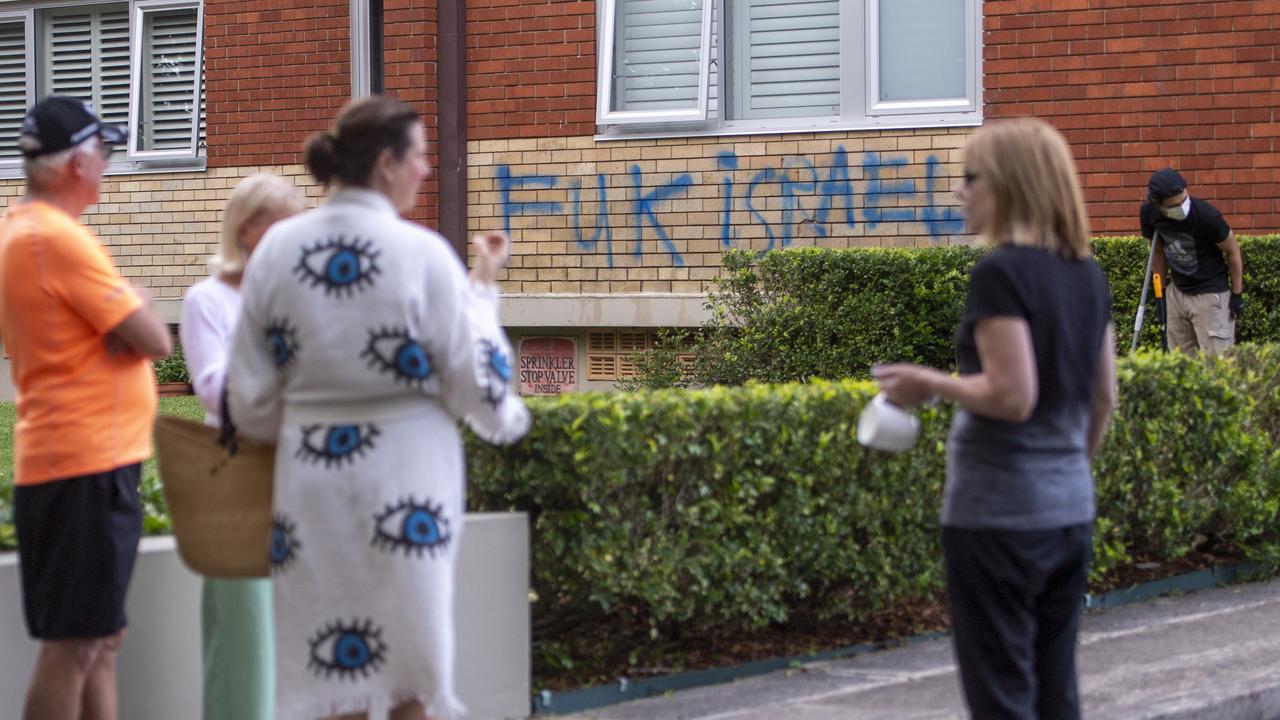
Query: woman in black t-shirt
[{"x": 1035, "y": 393}]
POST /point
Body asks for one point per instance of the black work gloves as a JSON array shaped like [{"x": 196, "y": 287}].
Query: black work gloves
[{"x": 1235, "y": 306}]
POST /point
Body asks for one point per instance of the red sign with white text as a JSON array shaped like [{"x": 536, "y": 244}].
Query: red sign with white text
[{"x": 548, "y": 365}]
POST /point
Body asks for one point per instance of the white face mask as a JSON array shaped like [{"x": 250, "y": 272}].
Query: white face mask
[{"x": 1179, "y": 212}]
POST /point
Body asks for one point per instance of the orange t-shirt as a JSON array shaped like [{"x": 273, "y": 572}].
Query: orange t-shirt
[{"x": 81, "y": 410}]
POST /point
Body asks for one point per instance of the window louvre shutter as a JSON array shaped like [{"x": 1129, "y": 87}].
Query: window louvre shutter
[
  {"x": 112, "y": 100},
  {"x": 654, "y": 61},
  {"x": 602, "y": 367},
  {"x": 785, "y": 58},
  {"x": 168, "y": 106},
  {"x": 68, "y": 52},
  {"x": 602, "y": 341},
  {"x": 657, "y": 65},
  {"x": 626, "y": 367},
  {"x": 630, "y": 341},
  {"x": 687, "y": 361},
  {"x": 13, "y": 85},
  {"x": 87, "y": 56},
  {"x": 202, "y": 133}
]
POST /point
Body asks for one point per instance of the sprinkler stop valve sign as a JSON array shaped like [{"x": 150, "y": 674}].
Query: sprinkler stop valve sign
[{"x": 548, "y": 365}]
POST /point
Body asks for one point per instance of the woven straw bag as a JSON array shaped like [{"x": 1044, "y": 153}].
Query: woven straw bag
[{"x": 219, "y": 497}]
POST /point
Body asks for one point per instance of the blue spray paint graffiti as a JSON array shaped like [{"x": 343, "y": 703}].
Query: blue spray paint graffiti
[
  {"x": 888, "y": 198},
  {"x": 508, "y": 182},
  {"x": 938, "y": 221},
  {"x": 764, "y": 176},
  {"x": 881, "y": 191},
  {"x": 838, "y": 185},
  {"x": 726, "y": 160},
  {"x": 790, "y": 189},
  {"x": 602, "y": 218},
  {"x": 645, "y": 210}
]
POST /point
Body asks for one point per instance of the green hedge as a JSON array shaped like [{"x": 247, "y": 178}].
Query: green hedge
[
  {"x": 737, "y": 507},
  {"x": 724, "y": 504},
  {"x": 172, "y": 369},
  {"x": 1191, "y": 458},
  {"x": 796, "y": 314}
]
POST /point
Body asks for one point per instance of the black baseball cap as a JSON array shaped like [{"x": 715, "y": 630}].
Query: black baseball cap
[
  {"x": 59, "y": 122},
  {"x": 1164, "y": 184}
]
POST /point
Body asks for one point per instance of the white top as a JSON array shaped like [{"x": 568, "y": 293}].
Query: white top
[
  {"x": 209, "y": 313},
  {"x": 350, "y": 306}
]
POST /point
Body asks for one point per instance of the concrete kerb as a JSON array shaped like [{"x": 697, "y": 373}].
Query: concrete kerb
[
  {"x": 1211, "y": 577},
  {"x": 547, "y": 702}
]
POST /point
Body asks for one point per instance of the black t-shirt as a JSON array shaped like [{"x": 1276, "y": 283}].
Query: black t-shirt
[
  {"x": 1191, "y": 246},
  {"x": 1035, "y": 474},
  {"x": 1067, "y": 304}
]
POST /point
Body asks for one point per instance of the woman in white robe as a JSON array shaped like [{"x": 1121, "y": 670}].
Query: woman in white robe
[{"x": 361, "y": 343}]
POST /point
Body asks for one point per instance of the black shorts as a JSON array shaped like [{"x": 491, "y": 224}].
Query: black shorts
[{"x": 77, "y": 541}]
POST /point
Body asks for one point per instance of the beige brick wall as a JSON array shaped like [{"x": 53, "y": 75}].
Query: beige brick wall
[
  {"x": 792, "y": 190},
  {"x": 590, "y": 216},
  {"x": 161, "y": 228}
]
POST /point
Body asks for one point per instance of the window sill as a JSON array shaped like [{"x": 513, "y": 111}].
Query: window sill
[
  {"x": 786, "y": 126},
  {"x": 133, "y": 167}
]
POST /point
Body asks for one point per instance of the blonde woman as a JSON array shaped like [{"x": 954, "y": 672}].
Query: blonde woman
[
  {"x": 1035, "y": 393},
  {"x": 235, "y": 614}
]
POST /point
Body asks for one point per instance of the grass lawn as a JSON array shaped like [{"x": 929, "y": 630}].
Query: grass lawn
[
  {"x": 188, "y": 407},
  {"x": 7, "y": 419},
  {"x": 156, "y": 518}
]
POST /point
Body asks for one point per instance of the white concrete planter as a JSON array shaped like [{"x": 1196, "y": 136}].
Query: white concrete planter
[{"x": 160, "y": 660}]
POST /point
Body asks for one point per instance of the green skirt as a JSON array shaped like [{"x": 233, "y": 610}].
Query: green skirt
[{"x": 239, "y": 650}]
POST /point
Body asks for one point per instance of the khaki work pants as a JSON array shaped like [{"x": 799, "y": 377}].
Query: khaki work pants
[{"x": 1199, "y": 322}]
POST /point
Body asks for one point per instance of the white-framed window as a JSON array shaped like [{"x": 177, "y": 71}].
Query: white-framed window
[
  {"x": 659, "y": 57},
  {"x": 165, "y": 80},
  {"x": 681, "y": 67},
  {"x": 139, "y": 63}
]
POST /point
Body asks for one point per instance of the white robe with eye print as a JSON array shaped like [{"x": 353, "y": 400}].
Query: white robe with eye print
[{"x": 360, "y": 344}]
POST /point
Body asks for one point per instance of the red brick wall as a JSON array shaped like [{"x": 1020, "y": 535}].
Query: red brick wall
[
  {"x": 275, "y": 71},
  {"x": 278, "y": 70},
  {"x": 531, "y": 68},
  {"x": 410, "y": 73},
  {"x": 1137, "y": 85}
]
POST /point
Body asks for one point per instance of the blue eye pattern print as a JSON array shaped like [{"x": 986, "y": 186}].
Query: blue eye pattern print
[
  {"x": 342, "y": 267},
  {"x": 284, "y": 543},
  {"x": 395, "y": 351},
  {"x": 282, "y": 341},
  {"x": 495, "y": 366},
  {"x": 336, "y": 445},
  {"x": 414, "y": 527},
  {"x": 347, "y": 650}
]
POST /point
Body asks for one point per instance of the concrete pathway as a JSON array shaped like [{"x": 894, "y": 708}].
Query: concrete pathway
[{"x": 1212, "y": 654}]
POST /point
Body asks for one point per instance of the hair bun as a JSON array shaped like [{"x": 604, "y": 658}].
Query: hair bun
[
  {"x": 321, "y": 156},
  {"x": 364, "y": 129}
]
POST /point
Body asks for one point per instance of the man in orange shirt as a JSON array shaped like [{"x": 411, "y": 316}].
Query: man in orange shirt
[{"x": 80, "y": 340}]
